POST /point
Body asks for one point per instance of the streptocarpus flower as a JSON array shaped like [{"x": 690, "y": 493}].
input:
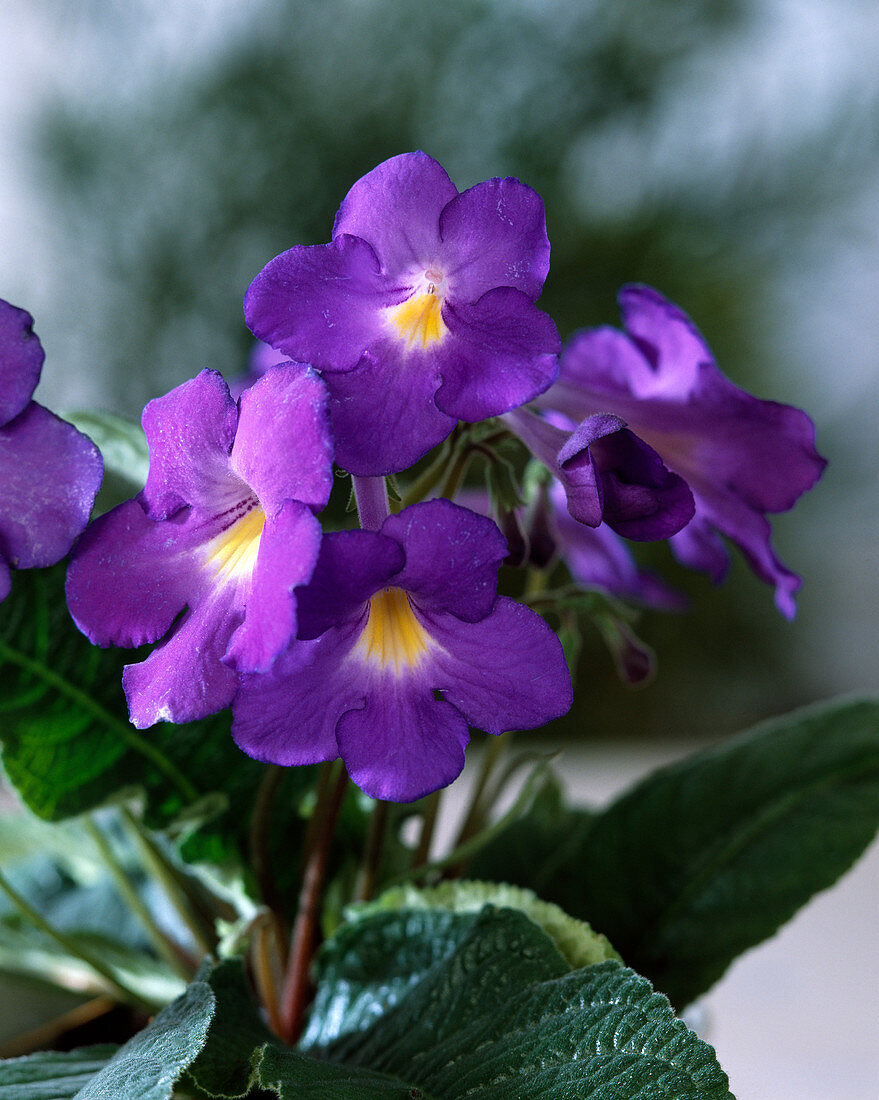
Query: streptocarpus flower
[
  {"x": 390, "y": 620},
  {"x": 420, "y": 311},
  {"x": 49, "y": 472},
  {"x": 224, "y": 527},
  {"x": 742, "y": 457},
  {"x": 608, "y": 474}
]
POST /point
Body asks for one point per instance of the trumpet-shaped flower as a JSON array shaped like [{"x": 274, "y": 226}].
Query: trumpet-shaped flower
[
  {"x": 742, "y": 457},
  {"x": 420, "y": 311},
  {"x": 49, "y": 472},
  {"x": 404, "y": 645},
  {"x": 224, "y": 528}
]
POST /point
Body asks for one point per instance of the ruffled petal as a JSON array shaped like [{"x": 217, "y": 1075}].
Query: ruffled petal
[
  {"x": 506, "y": 672},
  {"x": 500, "y": 352},
  {"x": 288, "y": 550},
  {"x": 396, "y": 208},
  {"x": 351, "y": 567},
  {"x": 190, "y": 432},
  {"x": 384, "y": 415},
  {"x": 494, "y": 234},
  {"x": 403, "y": 744},
  {"x": 49, "y": 473},
  {"x": 21, "y": 360},
  {"x": 283, "y": 448},
  {"x": 184, "y": 678},
  {"x": 672, "y": 345},
  {"x": 322, "y": 304},
  {"x": 452, "y": 557}
]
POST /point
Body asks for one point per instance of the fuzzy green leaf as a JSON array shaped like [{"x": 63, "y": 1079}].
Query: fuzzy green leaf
[{"x": 51, "y": 1075}]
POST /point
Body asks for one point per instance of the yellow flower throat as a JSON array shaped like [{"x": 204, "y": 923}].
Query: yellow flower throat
[
  {"x": 419, "y": 321},
  {"x": 232, "y": 554},
  {"x": 393, "y": 637}
]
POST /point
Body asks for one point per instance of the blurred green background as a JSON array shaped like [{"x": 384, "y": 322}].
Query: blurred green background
[{"x": 724, "y": 151}]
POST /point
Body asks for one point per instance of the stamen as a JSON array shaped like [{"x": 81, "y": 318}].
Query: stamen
[
  {"x": 392, "y": 635},
  {"x": 232, "y": 554}
]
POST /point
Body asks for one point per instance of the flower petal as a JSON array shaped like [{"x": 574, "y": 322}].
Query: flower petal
[
  {"x": 190, "y": 432},
  {"x": 452, "y": 557},
  {"x": 288, "y": 550},
  {"x": 282, "y": 448},
  {"x": 500, "y": 352},
  {"x": 396, "y": 208},
  {"x": 49, "y": 474},
  {"x": 21, "y": 360},
  {"x": 494, "y": 234},
  {"x": 506, "y": 672},
  {"x": 322, "y": 304}
]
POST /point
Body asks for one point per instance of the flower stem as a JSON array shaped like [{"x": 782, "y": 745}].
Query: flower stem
[
  {"x": 476, "y": 811},
  {"x": 373, "y": 507},
  {"x": 260, "y": 832},
  {"x": 77, "y": 950},
  {"x": 296, "y": 992},
  {"x": 375, "y": 842},
  {"x": 163, "y": 945},
  {"x": 428, "y": 827}
]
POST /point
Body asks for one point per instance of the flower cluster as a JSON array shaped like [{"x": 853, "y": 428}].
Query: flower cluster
[
  {"x": 384, "y": 645},
  {"x": 49, "y": 472}
]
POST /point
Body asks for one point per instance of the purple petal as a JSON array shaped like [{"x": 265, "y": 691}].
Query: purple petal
[
  {"x": 700, "y": 547},
  {"x": 130, "y": 576},
  {"x": 21, "y": 360},
  {"x": 184, "y": 678},
  {"x": 403, "y": 744},
  {"x": 322, "y": 304},
  {"x": 452, "y": 557},
  {"x": 396, "y": 208},
  {"x": 668, "y": 339},
  {"x": 283, "y": 449},
  {"x": 506, "y": 672},
  {"x": 494, "y": 234},
  {"x": 600, "y": 370},
  {"x": 190, "y": 432},
  {"x": 288, "y": 716},
  {"x": 288, "y": 550},
  {"x": 49, "y": 473},
  {"x": 5, "y": 580},
  {"x": 384, "y": 415},
  {"x": 351, "y": 567},
  {"x": 500, "y": 352}
]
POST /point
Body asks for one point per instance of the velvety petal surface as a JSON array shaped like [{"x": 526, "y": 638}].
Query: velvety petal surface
[
  {"x": 288, "y": 550},
  {"x": 452, "y": 557},
  {"x": 283, "y": 448},
  {"x": 322, "y": 304},
  {"x": 506, "y": 672},
  {"x": 500, "y": 352},
  {"x": 49, "y": 475},
  {"x": 403, "y": 744},
  {"x": 396, "y": 208},
  {"x": 21, "y": 360},
  {"x": 190, "y": 432},
  {"x": 351, "y": 567},
  {"x": 494, "y": 234},
  {"x": 184, "y": 678},
  {"x": 383, "y": 413}
]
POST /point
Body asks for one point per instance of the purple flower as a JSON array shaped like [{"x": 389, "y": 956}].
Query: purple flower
[
  {"x": 390, "y": 620},
  {"x": 742, "y": 457},
  {"x": 49, "y": 472},
  {"x": 224, "y": 527},
  {"x": 262, "y": 358},
  {"x": 420, "y": 311},
  {"x": 608, "y": 474}
]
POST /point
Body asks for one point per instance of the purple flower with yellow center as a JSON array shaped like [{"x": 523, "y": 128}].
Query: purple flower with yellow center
[
  {"x": 224, "y": 528},
  {"x": 420, "y": 311},
  {"x": 742, "y": 457},
  {"x": 405, "y": 644},
  {"x": 608, "y": 474},
  {"x": 49, "y": 472}
]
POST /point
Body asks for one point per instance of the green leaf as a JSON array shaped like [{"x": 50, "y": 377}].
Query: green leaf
[
  {"x": 482, "y": 1004},
  {"x": 123, "y": 447},
  {"x": 576, "y": 941},
  {"x": 710, "y": 856},
  {"x": 150, "y": 1064},
  {"x": 293, "y": 1076},
  {"x": 51, "y": 1075}
]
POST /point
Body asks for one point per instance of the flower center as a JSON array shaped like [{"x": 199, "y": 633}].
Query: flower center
[
  {"x": 392, "y": 635},
  {"x": 418, "y": 321},
  {"x": 231, "y": 555}
]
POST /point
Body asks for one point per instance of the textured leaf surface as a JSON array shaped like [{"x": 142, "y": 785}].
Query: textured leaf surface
[{"x": 50, "y": 1075}]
